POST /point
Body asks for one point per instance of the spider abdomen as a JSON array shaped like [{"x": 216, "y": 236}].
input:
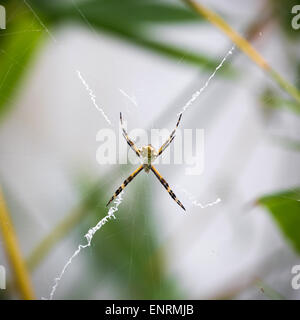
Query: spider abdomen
[{"x": 148, "y": 155}]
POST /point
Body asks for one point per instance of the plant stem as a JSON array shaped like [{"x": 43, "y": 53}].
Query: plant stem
[
  {"x": 13, "y": 252},
  {"x": 244, "y": 46}
]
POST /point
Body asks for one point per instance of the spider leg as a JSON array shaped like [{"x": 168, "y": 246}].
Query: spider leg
[
  {"x": 170, "y": 139},
  {"x": 130, "y": 142},
  {"x": 125, "y": 183},
  {"x": 167, "y": 187}
]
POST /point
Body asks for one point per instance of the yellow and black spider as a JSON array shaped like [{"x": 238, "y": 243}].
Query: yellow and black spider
[{"x": 147, "y": 154}]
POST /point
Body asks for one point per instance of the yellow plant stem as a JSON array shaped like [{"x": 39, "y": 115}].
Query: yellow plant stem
[
  {"x": 244, "y": 46},
  {"x": 13, "y": 252}
]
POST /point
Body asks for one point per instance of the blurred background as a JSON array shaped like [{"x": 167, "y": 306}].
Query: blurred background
[{"x": 160, "y": 53}]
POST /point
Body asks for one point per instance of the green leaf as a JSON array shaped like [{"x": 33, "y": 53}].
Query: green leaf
[
  {"x": 285, "y": 209},
  {"x": 282, "y": 10},
  {"x": 138, "y": 11},
  {"x": 17, "y": 49},
  {"x": 271, "y": 100},
  {"x": 130, "y": 20},
  {"x": 123, "y": 12},
  {"x": 287, "y": 142},
  {"x": 287, "y": 104}
]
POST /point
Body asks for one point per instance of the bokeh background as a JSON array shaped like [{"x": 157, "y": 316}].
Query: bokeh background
[{"x": 159, "y": 52}]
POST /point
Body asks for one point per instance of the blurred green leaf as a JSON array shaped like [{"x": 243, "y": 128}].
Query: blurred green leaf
[
  {"x": 271, "y": 100},
  {"x": 285, "y": 209},
  {"x": 286, "y": 104},
  {"x": 287, "y": 142},
  {"x": 120, "y": 12},
  {"x": 128, "y": 19},
  {"x": 132, "y": 21},
  {"x": 17, "y": 49},
  {"x": 282, "y": 10}
]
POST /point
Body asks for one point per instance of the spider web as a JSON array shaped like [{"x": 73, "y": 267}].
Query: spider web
[
  {"x": 110, "y": 215},
  {"x": 192, "y": 199},
  {"x": 91, "y": 232}
]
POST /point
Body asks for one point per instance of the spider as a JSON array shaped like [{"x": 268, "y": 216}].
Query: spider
[{"x": 148, "y": 154}]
